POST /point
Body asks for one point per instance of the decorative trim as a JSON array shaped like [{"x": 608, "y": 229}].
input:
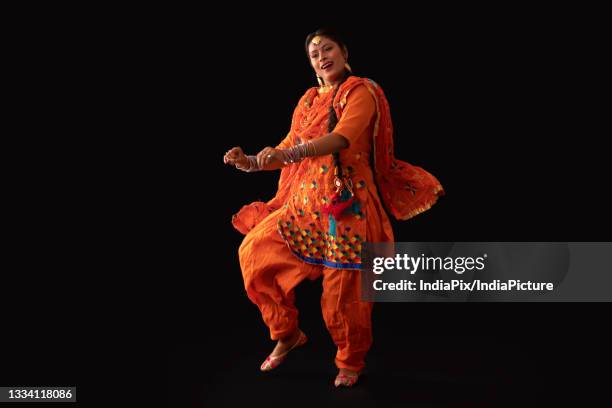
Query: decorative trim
[{"x": 425, "y": 207}]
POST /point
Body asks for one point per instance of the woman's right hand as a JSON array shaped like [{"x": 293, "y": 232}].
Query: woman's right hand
[{"x": 236, "y": 157}]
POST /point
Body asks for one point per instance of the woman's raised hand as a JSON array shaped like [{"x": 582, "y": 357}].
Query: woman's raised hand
[
  {"x": 236, "y": 157},
  {"x": 269, "y": 158}
]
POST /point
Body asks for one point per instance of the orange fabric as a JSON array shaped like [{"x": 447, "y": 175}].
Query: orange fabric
[
  {"x": 271, "y": 273},
  {"x": 406, "y": 190},
  {"x": 357, "y": 119}
]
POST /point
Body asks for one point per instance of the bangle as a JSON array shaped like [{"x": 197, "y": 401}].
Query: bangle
[
  {"x": 252, "y": 165},
  {"x": 298, "y": 152}
]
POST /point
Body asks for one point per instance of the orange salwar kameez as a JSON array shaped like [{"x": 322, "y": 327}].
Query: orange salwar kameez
[{"x": 288, "y": 239}]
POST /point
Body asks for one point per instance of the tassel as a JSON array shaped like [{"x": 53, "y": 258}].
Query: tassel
[
  {"x": 332, "y": 226},
  {"x": 338, "y": 204},
  {"x": 341, "y": 202}
]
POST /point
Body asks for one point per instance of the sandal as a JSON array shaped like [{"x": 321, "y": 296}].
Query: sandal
[
  {"x": 345, "y": 380},
  {"x": 270, "y": 363}
]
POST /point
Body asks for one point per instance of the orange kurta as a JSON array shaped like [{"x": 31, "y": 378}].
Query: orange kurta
[
  {"x": 364, "y": 119},
  {"x": 305, "y": 230}
]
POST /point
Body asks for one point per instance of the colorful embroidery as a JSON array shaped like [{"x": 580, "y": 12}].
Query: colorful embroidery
[{"x": 318, "y": 247}]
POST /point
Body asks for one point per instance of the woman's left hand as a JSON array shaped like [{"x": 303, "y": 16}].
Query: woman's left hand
[{"x": 269, "y": 158}]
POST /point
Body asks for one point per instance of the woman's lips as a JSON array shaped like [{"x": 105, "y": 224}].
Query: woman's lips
[{"x": 327, "y": 66}]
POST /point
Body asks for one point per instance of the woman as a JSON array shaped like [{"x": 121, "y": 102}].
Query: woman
[{"x": 337, "y": 162}]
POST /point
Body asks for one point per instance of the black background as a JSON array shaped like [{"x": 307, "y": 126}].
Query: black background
[
  {"x": 496, "y": 111},
  {"x": 134, "y": 245}
]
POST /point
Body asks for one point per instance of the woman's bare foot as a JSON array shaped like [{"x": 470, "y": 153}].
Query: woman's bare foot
[{"x": 346, "y": 378}]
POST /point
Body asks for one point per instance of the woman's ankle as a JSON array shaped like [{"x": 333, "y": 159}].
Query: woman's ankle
[
  {"x": 291, "y": 337},
  {"x": 348, "y": 371}
]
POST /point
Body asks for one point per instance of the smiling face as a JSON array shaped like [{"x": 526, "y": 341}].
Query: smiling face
[{"x": 328, "y": 59}]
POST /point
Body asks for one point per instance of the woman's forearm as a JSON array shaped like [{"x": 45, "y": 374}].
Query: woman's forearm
[
  {"x": 330, "y": 143},
  {"x": 322, "y": 146},
  {"x": 327, "y": 144}
]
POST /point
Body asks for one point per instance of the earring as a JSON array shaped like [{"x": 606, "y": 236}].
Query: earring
[
  {"x": 320, "y": 80},
  {"x": 348, "y": 67}
]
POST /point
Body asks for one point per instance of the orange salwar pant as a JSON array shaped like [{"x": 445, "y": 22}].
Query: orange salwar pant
[{"x": 271, "y": 272}]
